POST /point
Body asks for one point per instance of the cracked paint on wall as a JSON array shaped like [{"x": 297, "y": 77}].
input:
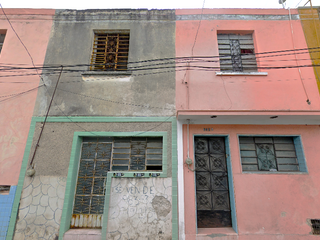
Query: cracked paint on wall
[
  {"x": 140, "y": 209},
  {"x": 40, "y": 208}
]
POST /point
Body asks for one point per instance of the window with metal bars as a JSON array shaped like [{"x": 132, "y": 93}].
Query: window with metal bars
[
  {"x": 268, "y": 154},
  {"x": 236, "y": 53},
  {"x": 110, "y": 51},
  {"x": 4, "y": 189},
  {"x": 315, "y": 225},
  {"x": 2, "y": 36},
  {"x": 98, "y": 157}
]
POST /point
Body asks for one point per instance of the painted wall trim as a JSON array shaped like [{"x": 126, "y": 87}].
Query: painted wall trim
[
  {"x": 249, "y": 118},
  {"x": 73, "y": 172},
  {"x": 71, "y": 119},
  {"x": 241, "y": 74},
  {"x": 180, "y": 181},
  {"x": 24, "y": 166},
  {"x": 174, "y": 167},
  {"x": 230, "y": 182},
  {"x": 245, "y": 17},
  {"x": 104, "y": 119},
  {"x": 303, "y": 169}
]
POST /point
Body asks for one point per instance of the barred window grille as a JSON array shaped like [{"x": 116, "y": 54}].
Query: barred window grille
[
  {"x": 268, "y": 154},
  {"x": 236, "y": 53},
  {"x": 98, "y": 156},
  {"x": 4, "y": 189},
  {"x": 315, "y": 225},
  {"x": 2, "y": 36},
  {"x": 110, "y": 51}
]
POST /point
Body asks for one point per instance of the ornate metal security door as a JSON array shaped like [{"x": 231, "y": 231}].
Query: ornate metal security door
[{"x": 212, "y": 191}]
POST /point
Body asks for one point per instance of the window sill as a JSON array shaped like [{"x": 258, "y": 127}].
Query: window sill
[
  {"x": 131, "y": 174},
  {"x": 212, "y": 232},
  {"x": 76, "y": 234},
  {"x": 95, "y": 76},
  {"x": 112, "y": 73},
  {"x": 241, "y": 74},
  {"x": 266, "y": 172}
]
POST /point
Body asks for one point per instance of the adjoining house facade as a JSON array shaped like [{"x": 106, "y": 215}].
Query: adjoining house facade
[
  {"x": 18, "y": 92},
  {"x": 105, "y": 162},
  {"x": 248, "y": 126},
  {"x": 160, "y": 124},
  {"x": 310, "y": 21}
]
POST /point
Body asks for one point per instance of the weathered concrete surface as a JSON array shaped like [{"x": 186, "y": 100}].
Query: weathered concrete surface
[
  {"x": 40, "y": 208},
  {"x": 53, "y": 153},
  {"x": 141, "y": 93},
  {"x": 140, "y": 209}
]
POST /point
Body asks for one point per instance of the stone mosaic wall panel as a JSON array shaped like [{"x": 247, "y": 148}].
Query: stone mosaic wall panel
[
  {"x": 40, "y": 208},
  {"x": 140, "y": 209}
]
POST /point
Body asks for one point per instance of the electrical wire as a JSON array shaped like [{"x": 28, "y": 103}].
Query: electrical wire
[
  {"x": 112, "y": 101},
  {"x": 38, "y": 86},
  {"x": 173, "y": 60},
  {"x": 35, "y": 68},
  {"x": 166, "y": 120},
  {"x": 298, "y": 3},
  {"x": 21, "y": 42},
  {"x": 297, "y": 63},
  {"x": 45, "y": 120},
  {"x": 182, "y": 68},
  {"x": 19, "y": 94}
]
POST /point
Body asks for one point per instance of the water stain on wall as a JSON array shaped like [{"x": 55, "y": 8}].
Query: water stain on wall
[{"x": 161, "y": 206}]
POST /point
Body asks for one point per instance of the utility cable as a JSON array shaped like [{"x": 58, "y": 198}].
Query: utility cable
[
  {"x": 21, "y": 42},
  {"x": 45, "y": 119},
  {"x": 36, "y": 87},
  {"x": 112, "y": 101},
  {"x": 19, "y": 94},
  {"x": 297, "y": 63},
  {"x": 157, "y": 125},
  {"x": 171, "y": 60}
]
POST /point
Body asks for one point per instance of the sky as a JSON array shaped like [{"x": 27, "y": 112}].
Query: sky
[{"x": 152, "y": 4}]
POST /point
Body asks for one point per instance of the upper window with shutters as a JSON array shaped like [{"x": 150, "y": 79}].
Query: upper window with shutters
[
  {"x": 110, "y": 51},
  {"x": 236, "y": 53}
]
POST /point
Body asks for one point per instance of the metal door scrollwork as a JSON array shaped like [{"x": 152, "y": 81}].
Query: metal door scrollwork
[{"x": 212, "y": 191}]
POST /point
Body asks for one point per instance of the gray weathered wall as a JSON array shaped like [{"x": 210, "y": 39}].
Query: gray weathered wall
[
  {"x": 134, "y": 213},
  {"x": 152, "y": 36},
  {"x": 140, "y": 209},
  {"x": 53, "y": 153},
  {"x": 145, "y": 205},
  {"x": 40, "y": 208}
]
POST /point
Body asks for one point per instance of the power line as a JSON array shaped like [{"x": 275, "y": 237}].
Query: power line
[
  {"x": 45, "y": 120},
  {"x": 177, "y": 69},
  {"x": 175, "y": 60},
  {"x": 36, "y": 69},
  {"x": 195, "y": 38},
  {"x": 19, "y": 94},
  {"x": 156, "y": 125},
  {"x": 21, "y": 42},
  {"x": 112, "y": 101}
]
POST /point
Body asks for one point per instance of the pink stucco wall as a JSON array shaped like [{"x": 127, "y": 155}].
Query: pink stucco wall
[
  {"x": 33, "y": 27},
  {"x": 280, "y": 89},
  {"x": 268, "y": 205}
]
